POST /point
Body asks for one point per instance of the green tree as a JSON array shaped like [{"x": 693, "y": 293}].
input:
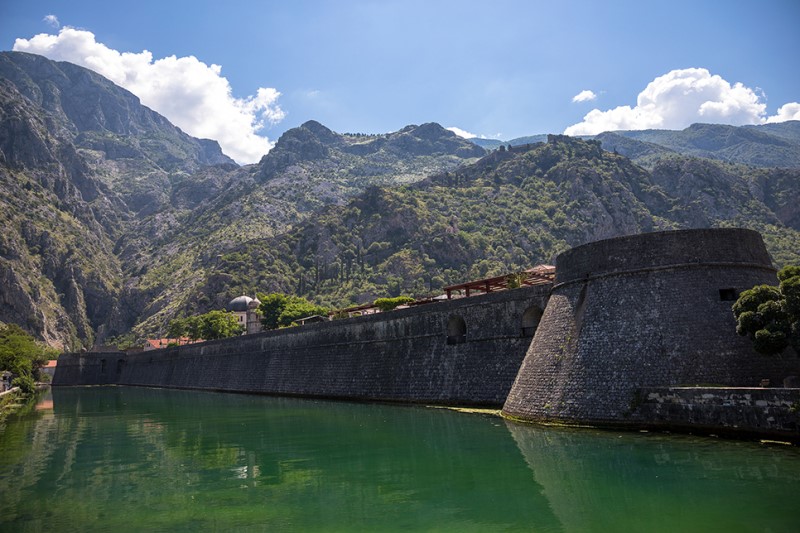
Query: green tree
[
  {"x": 271, "y": 307},
  {"x": 298, "y": 308},
  {"x": 219, "y": 325},
  {"x": 194, "y": 327},
  {"x": 22, "y": 355},
  {"x": 209, "y": 326},
  {"x": 770, "y": 315},
  {"x": 387, "y": 304},
  {"x": 177, "y": 328},
  {"x": 281, "y": 310}
]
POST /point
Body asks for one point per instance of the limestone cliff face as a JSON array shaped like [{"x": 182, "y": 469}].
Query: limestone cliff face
[
  {"x": 116, "y": 217},
  {"x": 78, "y": 168}
]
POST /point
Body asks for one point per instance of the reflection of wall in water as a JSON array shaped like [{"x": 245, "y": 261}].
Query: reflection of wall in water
[{"x": 412, "y": 461}]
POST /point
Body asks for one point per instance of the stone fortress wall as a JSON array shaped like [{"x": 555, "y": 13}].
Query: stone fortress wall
[
  {"x": 626, "y": 319},
  {"x": 457, "y": 352},
  {"x": 638, "y": 312}
]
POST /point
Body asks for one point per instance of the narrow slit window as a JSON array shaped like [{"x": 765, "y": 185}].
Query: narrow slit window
[
  {"x": 728, "y": 295},
  {"x": 456, "y": 330}
]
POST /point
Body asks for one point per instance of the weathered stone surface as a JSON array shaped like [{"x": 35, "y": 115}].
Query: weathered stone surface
[
  {"x": 638, "y": 312},
  {"x": 754, "y": 411}
]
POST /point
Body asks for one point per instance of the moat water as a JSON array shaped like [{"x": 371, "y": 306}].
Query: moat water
[{"x": 135, "y": 459}]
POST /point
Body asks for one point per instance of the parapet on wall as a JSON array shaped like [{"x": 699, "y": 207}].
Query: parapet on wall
[
  {"x": 458, "y": 352},
  {"x": 643, "y": 311}
]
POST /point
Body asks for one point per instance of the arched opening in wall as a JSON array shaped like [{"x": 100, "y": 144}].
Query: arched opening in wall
[
  {"x": 456, "y": 330},
  {"x": 530, "y": 320},
  {"x": 120, "y": 366}
]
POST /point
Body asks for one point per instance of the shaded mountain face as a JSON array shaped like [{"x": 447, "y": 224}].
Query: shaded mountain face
[
  {"x": 768, "y": 145},
  {"x": 81, "y": 163}
]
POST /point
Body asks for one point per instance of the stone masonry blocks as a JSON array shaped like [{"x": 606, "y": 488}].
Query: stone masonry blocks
[{"x": 642, "y": 311}]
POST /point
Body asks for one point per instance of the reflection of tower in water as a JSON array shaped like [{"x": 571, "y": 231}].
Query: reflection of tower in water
[{"x": 607, "y": 481}]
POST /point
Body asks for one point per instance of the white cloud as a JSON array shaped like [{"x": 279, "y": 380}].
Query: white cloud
[
  {"x": 52, "y": 20},
  {"x": 584, "y": 96},
  {"x": 786, "y": 112},
  {"x": 192, "y": 95},
  {"x": 461, "y": 133},
  {"x": 680, "y": 98}
]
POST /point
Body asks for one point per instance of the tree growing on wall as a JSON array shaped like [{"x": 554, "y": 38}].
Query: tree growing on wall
[
  {"x": 770, "y": 315},
  {"x": 387, "y": 304}
]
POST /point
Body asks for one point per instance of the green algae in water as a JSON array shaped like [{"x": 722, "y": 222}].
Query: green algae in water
[{"x": 128, "y": 459}]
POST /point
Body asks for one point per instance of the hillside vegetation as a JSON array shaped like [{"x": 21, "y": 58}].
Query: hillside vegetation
[
  {"x": 507, "y": 212},
  {"x": 116, "y": 222}
]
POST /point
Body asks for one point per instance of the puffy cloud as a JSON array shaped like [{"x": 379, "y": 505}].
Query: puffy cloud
[
  {"x": 786, "y": 112},
  {"x": 52, "y": 20},
  {"x": 461, "y": 133},
  {"x": 192, "y": 95},
  {"x": 584, "y": 96},
  {"x": 680, "y": 98}
]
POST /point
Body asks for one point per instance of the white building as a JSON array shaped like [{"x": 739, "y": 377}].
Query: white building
[{"x": 246, "y": 311}]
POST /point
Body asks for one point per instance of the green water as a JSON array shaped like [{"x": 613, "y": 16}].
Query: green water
[{"x": 129, "y": 459}]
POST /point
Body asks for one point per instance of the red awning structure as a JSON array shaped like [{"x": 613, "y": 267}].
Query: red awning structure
[{"x": 533, "y": 276}]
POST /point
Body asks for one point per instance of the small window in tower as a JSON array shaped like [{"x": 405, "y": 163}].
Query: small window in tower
[
  {"x": 456, "y": 330},
  {"x": 728, "y": 295}
]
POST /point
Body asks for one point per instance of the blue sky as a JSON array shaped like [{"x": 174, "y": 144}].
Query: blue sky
[{"x": 501, "y": 68}]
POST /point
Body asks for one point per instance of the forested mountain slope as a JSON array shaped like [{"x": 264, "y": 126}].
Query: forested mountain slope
[{"x": 509, "y": 211}]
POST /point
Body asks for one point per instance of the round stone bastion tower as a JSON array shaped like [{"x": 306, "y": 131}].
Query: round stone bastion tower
[{"x": 649, "y": 310}]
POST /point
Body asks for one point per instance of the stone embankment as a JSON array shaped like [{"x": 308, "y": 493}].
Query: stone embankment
[{"x": 770, "y": 412}]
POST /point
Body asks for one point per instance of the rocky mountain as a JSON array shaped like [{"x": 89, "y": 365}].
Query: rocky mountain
[
  {"x": 117, "y": 219},
  {"x": 764, "y": 145},
  {"x": 190, "y": 261},
  {"x": 510, "y": 210},
  {"x": 492, "y": 144}
]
